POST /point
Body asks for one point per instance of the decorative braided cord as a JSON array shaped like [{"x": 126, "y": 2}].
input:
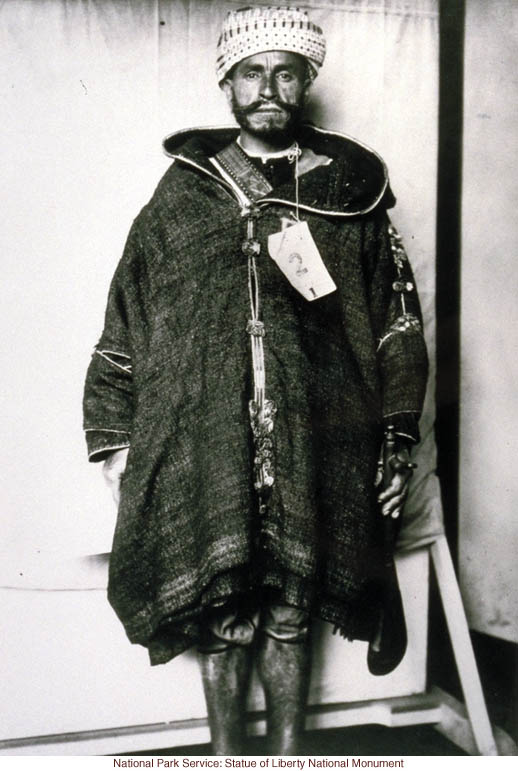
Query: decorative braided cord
[
  {"x": 242, "y": 171},
  {"x": 255, "y": 326},
  {"x": 399, "y": 257},
  {"x": 406, "y": 321},
  {"x": 262, "y": 411}
]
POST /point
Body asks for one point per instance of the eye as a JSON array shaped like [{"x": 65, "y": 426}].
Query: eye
[
  {"x": 251, "y": 75},
  {"x": 285, "y": 76}
]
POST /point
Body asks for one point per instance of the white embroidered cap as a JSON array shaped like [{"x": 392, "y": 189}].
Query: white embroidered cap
[{"x": 250, "y": 31}]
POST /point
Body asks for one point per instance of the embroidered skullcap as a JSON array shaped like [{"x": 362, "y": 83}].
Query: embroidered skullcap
[{"x": 250, "y": 31}]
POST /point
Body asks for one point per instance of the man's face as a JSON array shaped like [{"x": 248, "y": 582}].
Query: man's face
[{"x": 266, "y": 93}]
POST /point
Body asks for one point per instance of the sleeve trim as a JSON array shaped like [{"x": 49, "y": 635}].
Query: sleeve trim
[
  {"x": 102, "y": 354},
  {"x": 406, "y": 436},
  {"x": 104, "y": 450},
  {"x": 109, "y": 430},
  {"x": 400, "y": 412},
  {"x": 117, "y": 353}
]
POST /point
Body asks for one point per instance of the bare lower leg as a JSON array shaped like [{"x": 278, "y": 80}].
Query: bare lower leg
[
  {"x": 284, "y": 671},
  {"x": 225, "y": 678}
]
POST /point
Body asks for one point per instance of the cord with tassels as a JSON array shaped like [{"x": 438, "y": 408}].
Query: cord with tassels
[{"x": 262, "y": 410}]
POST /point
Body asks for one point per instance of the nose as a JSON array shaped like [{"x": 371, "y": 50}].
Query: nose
[{"x": 268, "y": 86}]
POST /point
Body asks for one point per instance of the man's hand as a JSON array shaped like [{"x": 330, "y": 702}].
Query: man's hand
[
  {"x": 395, "y": 492},
  {"x": 113, "y": 470}
]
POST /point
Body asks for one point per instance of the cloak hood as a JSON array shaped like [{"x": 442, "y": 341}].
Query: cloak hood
[{"x": 355, "y": 183}]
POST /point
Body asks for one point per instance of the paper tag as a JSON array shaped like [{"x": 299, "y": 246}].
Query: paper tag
[{"x": 296, "y": 254}]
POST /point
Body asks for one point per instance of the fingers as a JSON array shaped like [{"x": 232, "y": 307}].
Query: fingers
[
  {"x": 403, "y": 464},
  {"x": 393, "y": 498},
  {"x": 398, "y": 484},
  {"x": 113, "y": 471},
  {"x": 116, "y": 490},
  {"x": 394, "y": 506},
  {"x": 400, "y": 469},
  {"x": 113, "y": 478}
]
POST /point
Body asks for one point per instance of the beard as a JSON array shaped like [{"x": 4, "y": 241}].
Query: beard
[{"x": 277, "y": 128}]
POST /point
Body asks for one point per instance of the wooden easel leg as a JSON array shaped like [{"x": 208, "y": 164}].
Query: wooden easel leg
[{"x": 462, "y": 647}]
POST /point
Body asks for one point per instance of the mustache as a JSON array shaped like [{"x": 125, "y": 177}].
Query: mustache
[{"x": 291, "y": 109}]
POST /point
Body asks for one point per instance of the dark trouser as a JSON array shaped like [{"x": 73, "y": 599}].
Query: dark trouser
[{"x": 282, "y": 634}]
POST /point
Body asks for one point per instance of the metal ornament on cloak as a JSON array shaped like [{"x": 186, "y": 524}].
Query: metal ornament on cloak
[
  {"x": 236, "y": 166},
  {"x": 262, "y": 411}
]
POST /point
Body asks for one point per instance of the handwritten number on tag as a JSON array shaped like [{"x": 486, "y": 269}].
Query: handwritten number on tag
[
  {"x": 299, "y": 270},
  {"x": 296, "y": 254}
]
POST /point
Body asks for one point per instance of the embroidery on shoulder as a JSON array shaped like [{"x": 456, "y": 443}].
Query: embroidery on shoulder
[
  {"x": 402, "y": 285},
  {"x": 397, "y": 248},
  {"x": 404, "y": 290},
  {"x": 407, "y": 322}
]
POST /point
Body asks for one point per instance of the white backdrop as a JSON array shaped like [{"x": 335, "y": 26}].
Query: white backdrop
[
  {"x": 488, "y": 530},
  {"x": 90, "y": 89}
]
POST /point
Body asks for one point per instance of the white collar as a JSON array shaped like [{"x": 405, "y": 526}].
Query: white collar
[{"x": 269, "y": 156}]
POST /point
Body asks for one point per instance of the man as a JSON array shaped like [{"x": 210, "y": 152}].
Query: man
[{"x": 262, "y": 331}]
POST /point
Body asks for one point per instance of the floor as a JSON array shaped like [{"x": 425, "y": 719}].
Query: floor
[{"x": 359, "y": 740}]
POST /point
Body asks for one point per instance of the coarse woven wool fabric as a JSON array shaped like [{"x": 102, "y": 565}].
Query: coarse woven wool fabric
[
  {"x": 189, "y": 530},
  {"x": 256, "y": 30}
]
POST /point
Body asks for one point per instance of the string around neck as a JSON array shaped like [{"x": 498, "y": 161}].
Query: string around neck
[{"x": 293, "y": 156}]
